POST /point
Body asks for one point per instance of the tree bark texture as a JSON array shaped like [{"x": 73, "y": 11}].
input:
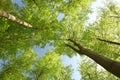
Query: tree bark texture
[
  {"x": 110, "y": 65},
  {"x": 14, "y": 19}
]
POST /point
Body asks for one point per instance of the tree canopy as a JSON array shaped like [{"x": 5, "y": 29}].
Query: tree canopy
[{"x": 54, "y": 23}]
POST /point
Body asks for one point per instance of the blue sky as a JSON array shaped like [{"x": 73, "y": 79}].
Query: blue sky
[
  {"x": 18, "y": 2},
  {"x": 75, "y": 60}
]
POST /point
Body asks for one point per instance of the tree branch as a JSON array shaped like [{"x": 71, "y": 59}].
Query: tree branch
[
  {"x": 110, "y": 42},
  {"x": 14, "y": 19},
  {"x": 75, "y": 43},
  {"x": 72, "y": 48},
  {"x": 109, "y": 64}
]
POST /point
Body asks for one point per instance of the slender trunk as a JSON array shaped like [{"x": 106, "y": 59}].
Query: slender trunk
[
  {"x": 14, "y": 19},
  {"x": 110, "y": 65}
]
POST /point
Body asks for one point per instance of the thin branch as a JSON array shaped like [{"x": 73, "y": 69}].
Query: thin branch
[
  {"x": 110, "y": 42},
  {"x": 72, "y": 48},
  {"x": 75, "y": 43}
]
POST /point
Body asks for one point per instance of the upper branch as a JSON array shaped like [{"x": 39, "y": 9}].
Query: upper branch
[
  {"x": 80, "y": 48},
  {"x": 72, "y": 48},
  {"x": 75, "y": 43},
  {"x": 111, "y": 42}
]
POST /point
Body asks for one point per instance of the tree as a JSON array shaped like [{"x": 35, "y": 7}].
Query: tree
[
  {"x": 17, "y": 42},
  {"x": 27, "y": 67},
  {"x": 49, "y": 67},
  {"x": 87, "y": 67},
  {"x": 15, "y": 67},
  {"x": 110, "y": 65},
  {"x": 17, "y": 38}
]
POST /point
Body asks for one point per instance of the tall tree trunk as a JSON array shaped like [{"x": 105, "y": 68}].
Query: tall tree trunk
[
  {"x": 14, "y": 19},
  {"x": 110, "y": 65}
]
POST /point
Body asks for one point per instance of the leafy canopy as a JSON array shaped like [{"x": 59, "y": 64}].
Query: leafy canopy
[{"x": 17, "y": 55}]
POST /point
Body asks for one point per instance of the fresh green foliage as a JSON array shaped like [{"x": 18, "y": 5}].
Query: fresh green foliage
[
  {"x": 17, "y": 57},
  {"x": 49, "y": 67}
]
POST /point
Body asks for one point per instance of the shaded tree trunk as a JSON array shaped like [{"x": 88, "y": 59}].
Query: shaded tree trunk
[
  {"x": 14, "y": 19},
  {"x": 110, "y": 65}
]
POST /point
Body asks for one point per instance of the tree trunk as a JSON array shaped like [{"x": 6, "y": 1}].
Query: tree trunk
[
  {"x": 14, "y": 19},
  {"x": 110, "y": 65}
]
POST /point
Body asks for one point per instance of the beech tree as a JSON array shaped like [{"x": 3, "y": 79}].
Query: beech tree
[
  {"x": 88, "y": 66},
  {"x": 62, "y": 25},
  {"x": 110, "y": 65}
]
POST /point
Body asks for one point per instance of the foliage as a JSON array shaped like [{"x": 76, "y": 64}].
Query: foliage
[
  {"x": 49, "y": 67},
  {"x": 26, "y": 66},
  {"x": 18, "y": 59}
]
